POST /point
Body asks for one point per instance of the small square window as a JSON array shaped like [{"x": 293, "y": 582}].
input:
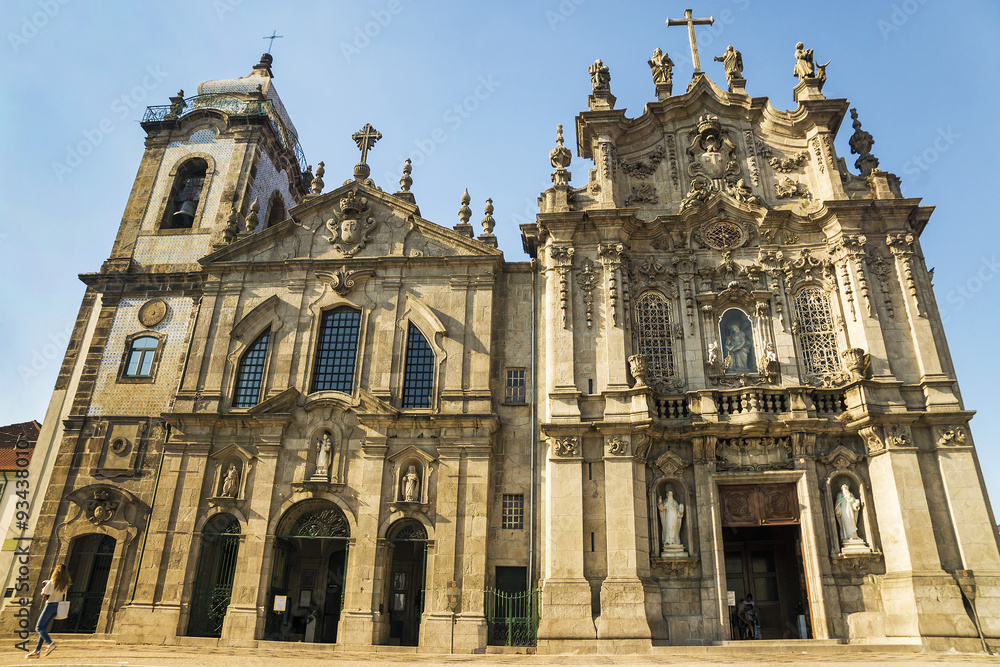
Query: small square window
[
  {"x": 512, "y": 514},
  {"x": 515, "y": 385}
]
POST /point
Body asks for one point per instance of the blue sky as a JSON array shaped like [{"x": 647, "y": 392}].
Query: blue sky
[{"x": 472, "y": 92}]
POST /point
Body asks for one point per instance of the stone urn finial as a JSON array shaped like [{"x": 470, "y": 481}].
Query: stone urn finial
[{"x": 639, "y": 366}]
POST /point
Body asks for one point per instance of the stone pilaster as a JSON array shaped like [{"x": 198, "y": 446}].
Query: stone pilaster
[
  {"x": 919, "y": 598},
  {"x": 357, "y": 621},
  {"x": 565, "y": 598}
]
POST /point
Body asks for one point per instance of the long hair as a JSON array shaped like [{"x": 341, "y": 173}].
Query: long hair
[{"x": 60, "y": 578}]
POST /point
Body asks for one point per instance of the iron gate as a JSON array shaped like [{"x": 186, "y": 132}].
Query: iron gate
[
  {"x": 214, "y": 586},
  {"x": 512, "y": 618}
]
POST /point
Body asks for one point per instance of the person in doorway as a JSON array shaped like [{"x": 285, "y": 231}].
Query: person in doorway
[
  {"x": 53, "y": 592},
  {"x": 747, "y": 613}
]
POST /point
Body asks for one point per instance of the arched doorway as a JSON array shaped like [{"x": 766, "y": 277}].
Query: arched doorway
[
  {"x": 89, "y": 564},
  {"x": 404, "y": 591},
  {"x": 213, "y": 585},
  {"x": 307, "y": 575}
]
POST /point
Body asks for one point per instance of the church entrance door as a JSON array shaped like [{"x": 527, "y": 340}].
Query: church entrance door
[
  {"x": 763, "y": 555},
  {"x": 405, "y": 585},
  {"x": 89, "y": 565},
  {"x": 213, "y": 587},
  {"x": 310, "y": 559}
]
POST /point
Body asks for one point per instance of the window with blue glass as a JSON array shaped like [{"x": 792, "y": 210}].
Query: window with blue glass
[
  {"x": 337, "y": 350},
  {"x": 250, "y": 373},
  {"x": 418, "y": 374},
  {"x": 139, "y": 363}
]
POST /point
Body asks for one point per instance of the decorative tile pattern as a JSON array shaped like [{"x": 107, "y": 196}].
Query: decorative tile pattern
[{"x": 112, "y": 398}]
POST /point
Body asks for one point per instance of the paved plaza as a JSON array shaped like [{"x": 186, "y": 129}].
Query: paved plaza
[{"x": 71, "y": 651}]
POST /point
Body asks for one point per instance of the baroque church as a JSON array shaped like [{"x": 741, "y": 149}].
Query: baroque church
[{"x": 298, "y": 412}]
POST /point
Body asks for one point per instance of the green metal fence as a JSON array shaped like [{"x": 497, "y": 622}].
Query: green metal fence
[{"x": 512, "y": 618}]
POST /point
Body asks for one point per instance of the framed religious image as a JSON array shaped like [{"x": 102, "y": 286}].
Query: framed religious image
[
  {"x": 305, "y": 597},
  {"x": 399, "y": 601},
  {"x": 308, "y": 579},
  {"x": 399, "y": 581}
]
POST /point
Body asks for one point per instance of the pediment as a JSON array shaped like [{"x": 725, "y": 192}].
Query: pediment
[
  {"x": 353, "y": 222},
  {"x": 232, "y": 450},
  {"x": 412, "y": 452},
  {"x": 280, "y": 404}
]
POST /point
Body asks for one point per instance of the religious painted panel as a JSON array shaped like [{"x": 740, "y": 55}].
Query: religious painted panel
[{"x": 758, "y": 505}]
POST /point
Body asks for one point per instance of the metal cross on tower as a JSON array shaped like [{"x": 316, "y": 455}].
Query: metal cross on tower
[
  {"x": 366, "y": 138},
  {"x": 691, "y": 23},
  {"x": 274, "y": 35}
]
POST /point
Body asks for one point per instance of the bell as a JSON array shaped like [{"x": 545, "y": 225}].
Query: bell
[{"x": 185, "y": 216}]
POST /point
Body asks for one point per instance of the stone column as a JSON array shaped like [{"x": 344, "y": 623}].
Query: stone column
[
  {"x": 565, "y": 598},
  {"x": 628, "y": 607},
  {"x": 919, "y": 598},
  {"x": 714, "y": 611},
  {"x": 357, "y": 621},
  {"x": 559, "y": 352}
]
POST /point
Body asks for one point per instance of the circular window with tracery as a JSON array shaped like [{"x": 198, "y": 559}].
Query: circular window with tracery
[{"x": 723, "y": 235}]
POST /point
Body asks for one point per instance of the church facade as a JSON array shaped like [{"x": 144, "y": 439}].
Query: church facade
[{"x": 300, "y": 413}]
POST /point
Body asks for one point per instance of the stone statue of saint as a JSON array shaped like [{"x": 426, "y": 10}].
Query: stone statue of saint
[
  {"x": 600, "y": 76},
  {"x": 737, "y": 351},
  {"x": 846, "y": 509},
  {"x": 662, "y": 66},
  {"x": 411, "y": 485},
  {"x": 671, "y": 514},
  {"x": 803, "y": 62},
  {"x": 229, "y": 484},
  {"x": 323, "y": 446},
  {"x": 732, "y": 60}
]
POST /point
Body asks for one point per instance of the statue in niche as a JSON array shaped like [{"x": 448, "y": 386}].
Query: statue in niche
[
  {"x": 411, "y": 485},
  {"x": 737, "y": 343},
  {"x": 600, "y": 76},
  {"x": 323, "y": 447},
  {"x": 230, "y": 485},
  {"x": 846, "y": 509},
  {"x": 671, "y": 514},
  {"x": 662, "y": 66}
]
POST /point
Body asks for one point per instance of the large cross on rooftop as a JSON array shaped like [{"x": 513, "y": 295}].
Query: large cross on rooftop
[
  {"x": 691, "y": 23},
  {"x": 366, "y": 138}
]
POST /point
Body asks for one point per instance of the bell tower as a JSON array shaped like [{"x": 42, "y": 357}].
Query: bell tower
[{"x": 218, "y": 163}]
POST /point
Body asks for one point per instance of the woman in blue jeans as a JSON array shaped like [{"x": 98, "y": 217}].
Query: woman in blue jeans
[{"x": 54, "y": 592}]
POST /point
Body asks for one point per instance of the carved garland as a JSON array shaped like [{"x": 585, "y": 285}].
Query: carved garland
[
  {"x": 901, "y": 247},
  {"x": 562, "y": 257},
  {"x": 587, "y": 278}
]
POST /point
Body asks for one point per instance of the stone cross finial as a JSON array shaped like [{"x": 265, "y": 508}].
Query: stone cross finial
[
  {"x": 365, "y": 138},
  {"x": 691, "y": 23}
]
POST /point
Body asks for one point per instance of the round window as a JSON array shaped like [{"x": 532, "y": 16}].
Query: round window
[{"x": 723, "y": 235}]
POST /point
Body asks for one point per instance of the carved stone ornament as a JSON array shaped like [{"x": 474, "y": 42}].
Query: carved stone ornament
[
  {"x": 951, "y": 435},
  {"x": 841, "y": 458},
  {"x": 616, "y": 446},
  {"x": 640, "y": 445},
  {"x": 644, "y": 193},
  {"x": 857, "y": 563},
  {"x": 670, "y": 463},
  {"x": 712, "y": 155},
  {"x": 754, "y": 454},
  {"x": 568, "y": 446},
  {"x": 857, "y": 362},
  {"x": 588, "y": 279},
  {"x": 343, "y": 280},
  {"x": 674, "y": 567},
  {"x": 639, "y": 367},
  {"x": 790, "y": 164},
  {"x": 102, "y": 507},
  {"x": 152, "y": 312},
  {"x": 644, "y": 166},
  {"x": 353, "y": 231},
  {"x": 786, "y": 188},
  {"x": 874, "y": 444}
]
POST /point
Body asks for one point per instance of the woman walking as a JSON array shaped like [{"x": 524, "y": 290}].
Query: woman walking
[{"x": 54, "y": 592}]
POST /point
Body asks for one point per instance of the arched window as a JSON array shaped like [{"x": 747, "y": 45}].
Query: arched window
[
  {"x": 652, "y": 314},
  {"x": 275, "y": 210},
  {"x": 337, "y": 350},
  {"x": 817, "y": 337},
  {"x": 139, "y": 361},
  {"x": 250, "y": 373},
  {"x": 418, "y": 374},
  {"x": 185, "y": 195}
]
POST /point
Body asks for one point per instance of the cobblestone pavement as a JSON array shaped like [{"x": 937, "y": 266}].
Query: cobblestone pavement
[{"x": 81, "y": 654}]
